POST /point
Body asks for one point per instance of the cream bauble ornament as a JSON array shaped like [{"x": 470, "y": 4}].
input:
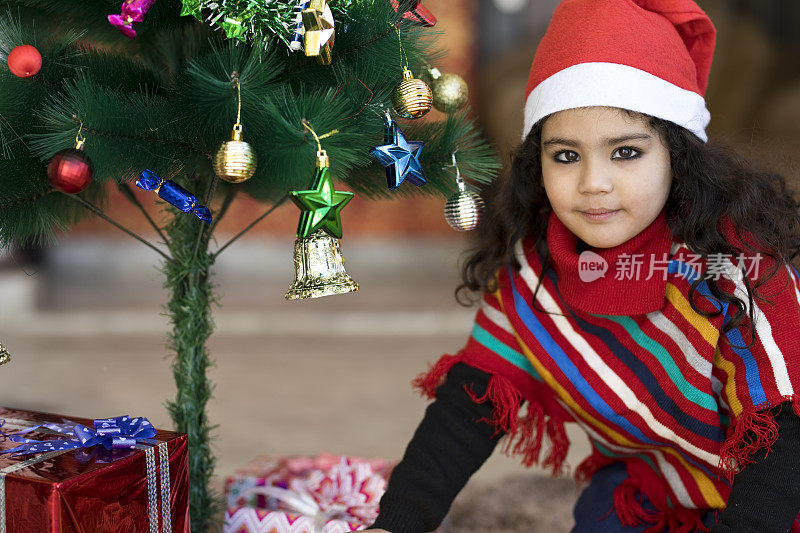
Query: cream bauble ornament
[{"x": 450, "y": 91}]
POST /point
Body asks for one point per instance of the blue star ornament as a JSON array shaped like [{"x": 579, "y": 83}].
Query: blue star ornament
[{"x": 401, "y": 158}]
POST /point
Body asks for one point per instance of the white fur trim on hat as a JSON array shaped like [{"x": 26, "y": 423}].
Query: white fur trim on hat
[{"x": 615, "y": 85}]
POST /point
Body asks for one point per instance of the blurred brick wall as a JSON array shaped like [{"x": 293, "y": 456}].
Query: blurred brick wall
[{"x": 422, "y": 217}]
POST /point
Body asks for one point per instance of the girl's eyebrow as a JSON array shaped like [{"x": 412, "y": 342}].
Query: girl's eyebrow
[{"x": 607, "y": 142}]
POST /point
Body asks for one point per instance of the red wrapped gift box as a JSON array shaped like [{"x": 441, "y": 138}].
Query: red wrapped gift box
[{"x": 92, "y": 490}]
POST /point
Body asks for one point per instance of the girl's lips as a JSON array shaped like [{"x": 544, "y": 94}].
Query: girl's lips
[{"x": 599, "y": 216}]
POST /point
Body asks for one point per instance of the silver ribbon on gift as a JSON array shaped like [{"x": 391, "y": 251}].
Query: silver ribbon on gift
[
  {"x": 153, "y": 487},
  {"x": 153, "y": 470}
]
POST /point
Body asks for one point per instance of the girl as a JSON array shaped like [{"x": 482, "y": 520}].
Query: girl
[{"x": 635, "y": 280}]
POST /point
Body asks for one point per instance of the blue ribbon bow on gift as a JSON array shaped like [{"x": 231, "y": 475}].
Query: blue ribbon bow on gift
[{"x": 117, "y": 433}]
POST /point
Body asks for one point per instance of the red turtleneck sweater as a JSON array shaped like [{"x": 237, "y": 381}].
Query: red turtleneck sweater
[{"x": 611, "y": 294}]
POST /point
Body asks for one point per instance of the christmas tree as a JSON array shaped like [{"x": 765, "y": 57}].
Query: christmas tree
[{"x": 91, "y": 102}]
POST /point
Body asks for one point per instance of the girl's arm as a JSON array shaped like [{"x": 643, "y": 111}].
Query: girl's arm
[
  {"x": 765, "y": 496},
  {"x": 448, "y": 446}
]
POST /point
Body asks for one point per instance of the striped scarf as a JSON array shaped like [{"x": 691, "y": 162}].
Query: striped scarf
[{"x": 650, "y": 380}]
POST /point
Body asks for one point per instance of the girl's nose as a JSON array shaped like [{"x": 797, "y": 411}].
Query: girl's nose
[{"x": 595, "y": 178}]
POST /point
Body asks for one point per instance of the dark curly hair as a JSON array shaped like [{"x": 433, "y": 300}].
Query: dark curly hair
[{"x": 710, "y": 182}]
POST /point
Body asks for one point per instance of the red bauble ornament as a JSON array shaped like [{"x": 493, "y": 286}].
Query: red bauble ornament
[
  {"x": 70, "y": 171},
  {"x": 24, "y": 61}
]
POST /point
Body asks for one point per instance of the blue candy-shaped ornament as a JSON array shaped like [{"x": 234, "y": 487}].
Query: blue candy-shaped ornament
[{"x": 174, "y": 194}]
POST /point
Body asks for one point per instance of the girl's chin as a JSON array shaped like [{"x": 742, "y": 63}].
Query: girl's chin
[{"x": 601, "y": 241}]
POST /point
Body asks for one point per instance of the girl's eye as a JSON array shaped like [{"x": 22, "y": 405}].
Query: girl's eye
[
  {"x": 569, "y": 156},
  {"x": 626, "y": 152}
]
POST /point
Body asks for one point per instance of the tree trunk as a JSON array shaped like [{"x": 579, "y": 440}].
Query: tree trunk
[{"x": 188, "y": 276}]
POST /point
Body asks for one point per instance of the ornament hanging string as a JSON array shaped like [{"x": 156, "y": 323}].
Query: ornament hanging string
[
  {"x": 79, "y": 138},
  {"x": 235, "y": 77},
  {"x": 459, "y": 178},
  {"x": 307, "y": 126},
  {"x": 403, "y": 56},
  {"x": 382, "y": 110}
]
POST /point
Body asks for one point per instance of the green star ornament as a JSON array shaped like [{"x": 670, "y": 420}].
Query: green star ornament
[{"x": 321, "y": 207}]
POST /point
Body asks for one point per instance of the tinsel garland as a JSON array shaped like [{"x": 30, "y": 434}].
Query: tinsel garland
[{"x": 243, "y": 19}]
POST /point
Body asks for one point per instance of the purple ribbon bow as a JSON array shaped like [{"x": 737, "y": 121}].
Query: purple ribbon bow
[
  {"x": 131, "y": 11},
  {"x": 117, "y": 433}
]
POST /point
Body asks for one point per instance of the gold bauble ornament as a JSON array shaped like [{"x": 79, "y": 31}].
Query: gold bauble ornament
[
  {"x": 463, "y": 210},
  {"x": 5, "y": 357},
  {"x": 412, "y": 98},
  {"x": 450, "y": 91},
  {"x": 235, "y": 161}
]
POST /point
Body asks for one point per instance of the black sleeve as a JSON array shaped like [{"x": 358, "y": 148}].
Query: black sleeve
[
  {"x": 448, "y": 446},
  {"x": 765, "y": 497}
]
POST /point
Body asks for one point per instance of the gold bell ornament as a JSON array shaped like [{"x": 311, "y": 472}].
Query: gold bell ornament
[
  {"x": 463, "y": 211},
  {"x": 319, "y": 268},
  {"x": 235, "y": 161},
  {"x": 318, "y": 28},
  {"x": 450, "y": 91},
  {"x": 318, "y": 262},
  {"x": 5, "y": 357}
]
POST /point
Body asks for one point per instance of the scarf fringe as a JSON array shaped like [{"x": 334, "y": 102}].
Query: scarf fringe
[
  {"x": 628, "y": 501},
  {"x": 753, "y": 431},
  {"x": 524, "y": 434},
  {"x": 426, "y": 382},
  {"x": 557, "y": 434}
]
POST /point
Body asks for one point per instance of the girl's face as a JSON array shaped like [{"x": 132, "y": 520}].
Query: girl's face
[{"x": 600, "y": 158}]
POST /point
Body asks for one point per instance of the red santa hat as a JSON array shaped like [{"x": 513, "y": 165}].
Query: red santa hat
[{"x": 649, "y": 56}]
